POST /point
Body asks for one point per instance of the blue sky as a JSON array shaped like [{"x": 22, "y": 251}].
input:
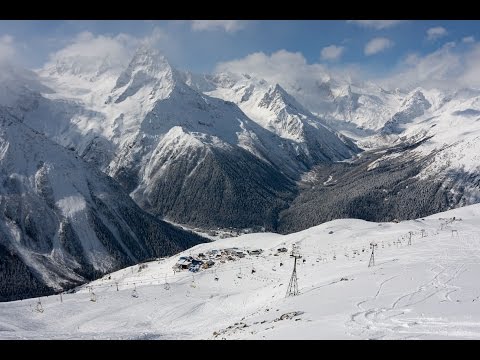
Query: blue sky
[
  {"x": 200, "y": 50},
  {"x": 377, "y": 47}
]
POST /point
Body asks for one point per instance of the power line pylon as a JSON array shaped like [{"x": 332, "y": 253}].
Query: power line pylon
[
  {"x": 372, "y": 257},
  {"x": 292, "y": 289}
]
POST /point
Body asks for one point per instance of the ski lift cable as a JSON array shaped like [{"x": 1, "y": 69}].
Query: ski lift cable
[
  {"x": 226, "y": 268},
  {"x": 177, "y": 279}
]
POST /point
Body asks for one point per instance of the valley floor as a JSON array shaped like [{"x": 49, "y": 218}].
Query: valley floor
[{"x": 426, "y": 290}]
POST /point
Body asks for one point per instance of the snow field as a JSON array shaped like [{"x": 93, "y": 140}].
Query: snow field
[{"x": 426, "y": 290}]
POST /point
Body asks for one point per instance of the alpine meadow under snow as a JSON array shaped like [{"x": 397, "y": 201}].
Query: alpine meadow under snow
[{"x": 141, "y": 201}]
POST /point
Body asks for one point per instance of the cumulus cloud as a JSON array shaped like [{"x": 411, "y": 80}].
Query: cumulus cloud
[
  {"x": 448, "y": 68},
  {"x": 468, "y": 39},
  {"x": 377, "y": 45},
  {"x": 7, "y": 48},
  {"x": 332, "y": 52},
  {"x": 230, "y": 26},
  {"x": 376, "y": 24},
  {"x": 85, "y": 51},
  {"x": 436, "y": 32},
  {"x": 282, "y": 67}
]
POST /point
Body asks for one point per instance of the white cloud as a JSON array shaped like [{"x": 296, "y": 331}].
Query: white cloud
[
  {"x": 158, "y": 35},
  {"x": 277, "y": 65},
  {"x": 377, "y": 24},
  {"x": 88, "y": 53},
  {"x": 447, "y": 68},
  {"x": 436, "y": 32},
  {"x": 377, "y": 45},
  {"x": 230, "y": 26},
  {"x": 468, "y": 39},
  {"x": 411, "y": 59},
  {"x": 88, "y": 44},
  {"x": 7, "y": 48},
  {"x": 332, "y": 52}
]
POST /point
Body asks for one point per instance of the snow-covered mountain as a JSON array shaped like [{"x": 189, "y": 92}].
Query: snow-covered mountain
[
  {"x": 202, "y": 149},
  {"x": 63, "y": 222},
  {"x": 413, "y": 106},
  {"x": 423, "y": 140},
  {"x": 181, "y": 153},
  {"x": 354, "y": 108},
  {"x": 450, "y": 122},
  {"x": 274, "y": 109},
  {"x": 424, "y": 160},
  {"x": 360, "y": 109}
]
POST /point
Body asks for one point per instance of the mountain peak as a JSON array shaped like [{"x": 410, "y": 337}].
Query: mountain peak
[
  {"x": 278, "y": 88},
  {"x": 148, "y": 67},
  {"x": 148, "y": 61},
  {"x": 148, "y": 56},
  {"x": 278, "y": 93}
]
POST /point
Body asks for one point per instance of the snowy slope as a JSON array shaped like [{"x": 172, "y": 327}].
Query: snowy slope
[
  {"x": 64, "y": 219},
  {"x": 425, "y": 290}
]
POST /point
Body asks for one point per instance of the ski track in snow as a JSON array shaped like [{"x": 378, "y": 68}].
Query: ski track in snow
[{"x": 384, "y": 322}]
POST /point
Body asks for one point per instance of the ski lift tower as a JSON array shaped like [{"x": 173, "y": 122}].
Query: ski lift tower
[
  {"x": 292, "y": 289},
  {"x": 39, "y": 307},
  {"x": 373, "y": 245}
]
